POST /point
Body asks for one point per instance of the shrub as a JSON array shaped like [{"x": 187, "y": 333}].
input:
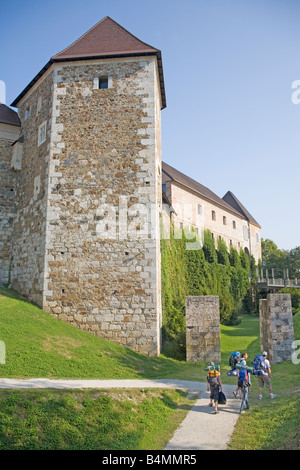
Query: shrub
[{"x": 203, "y": 271}]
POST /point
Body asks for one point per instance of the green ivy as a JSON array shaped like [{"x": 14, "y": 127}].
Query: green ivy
[{"x": 202, "y": 271}]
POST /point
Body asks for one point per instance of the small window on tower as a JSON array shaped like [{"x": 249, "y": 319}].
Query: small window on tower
[{"x": 103, "y": 82}]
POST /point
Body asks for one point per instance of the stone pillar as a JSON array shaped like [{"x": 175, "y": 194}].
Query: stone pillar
[
  {"x": 265, "y": 329},
  {"x": 203, "y": 329},
  {"x": 276, "y": 327}
]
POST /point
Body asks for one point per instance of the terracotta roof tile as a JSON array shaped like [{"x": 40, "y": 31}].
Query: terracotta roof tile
[{"x": 104, "y": 40}]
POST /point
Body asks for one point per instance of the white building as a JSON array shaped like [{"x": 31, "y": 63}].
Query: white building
[{"x": 197, "y": 206}]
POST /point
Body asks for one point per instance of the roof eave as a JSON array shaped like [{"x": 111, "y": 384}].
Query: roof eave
[
  {"x": 54, "y": 59},
  {"x": 207, "y": 198}
]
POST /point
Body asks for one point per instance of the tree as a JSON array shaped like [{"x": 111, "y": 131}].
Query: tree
[
  {"x": 222, "y": 252},
  {"x": 280, "y": 260},
  {"x": 209, "y": 248}
]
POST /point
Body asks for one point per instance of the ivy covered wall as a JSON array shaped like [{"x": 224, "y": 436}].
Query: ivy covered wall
[{"x": 204, "y": 271}]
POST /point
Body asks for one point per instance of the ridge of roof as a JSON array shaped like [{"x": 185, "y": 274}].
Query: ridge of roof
[
  {"x": 233, "y": 201},
  {"x": 106, "y": 39},
  {"x": 9, "y": 116},
  {"x": 192, "y": 184}
]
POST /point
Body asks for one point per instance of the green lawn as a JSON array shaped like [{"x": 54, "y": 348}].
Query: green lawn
[
  {"x": 38, "y": 345},
  {"x": 272, "y": 424},
  {"x": 90, "y": 419}
]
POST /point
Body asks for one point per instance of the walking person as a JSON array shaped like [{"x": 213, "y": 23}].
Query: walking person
[
  {"x": 244, "y": 382},
  {"x": 214, "y": 385},
  {"x": 244, "y": 357},
  {"x": 265, "y": 377}
]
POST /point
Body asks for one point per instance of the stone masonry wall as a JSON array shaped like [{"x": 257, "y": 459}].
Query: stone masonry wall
[
  {"x": 31, "y": 195},
  {"x": 276, "y": 327},
  {"x": 102, "y": 265},
  {"x": 203, "y": 329},
  {"x": 7, "y": 209}
]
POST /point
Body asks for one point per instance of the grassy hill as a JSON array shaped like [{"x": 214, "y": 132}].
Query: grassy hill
[{"x": 38, "y": 345}]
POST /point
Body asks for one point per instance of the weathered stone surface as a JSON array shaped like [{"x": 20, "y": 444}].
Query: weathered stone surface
[
  {"x": 203, "y": 329},
  {"x": 86, "y": 237},
  {"x": 276, "y": 326},
  {"x": 7, "y": 199}
]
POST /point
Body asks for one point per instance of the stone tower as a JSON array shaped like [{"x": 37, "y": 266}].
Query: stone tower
[{"x": 86, "y": 243}]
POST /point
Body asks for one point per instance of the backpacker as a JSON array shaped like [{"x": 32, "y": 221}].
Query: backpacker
[
  {"x": 213, "y": 376},
  {"x": 243, "y": 380},
  {"x": 234, "y": 359},
  {"x": 257, "y": 365}
]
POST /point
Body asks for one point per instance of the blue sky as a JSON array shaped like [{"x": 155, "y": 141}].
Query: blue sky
[{"x": 229, "y": 65}]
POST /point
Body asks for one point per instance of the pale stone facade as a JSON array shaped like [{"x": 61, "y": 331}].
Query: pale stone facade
[{"x": 194, "y": 205}]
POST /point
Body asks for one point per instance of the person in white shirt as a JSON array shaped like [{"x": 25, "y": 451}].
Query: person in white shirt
[{"x": 265, "y": 378}]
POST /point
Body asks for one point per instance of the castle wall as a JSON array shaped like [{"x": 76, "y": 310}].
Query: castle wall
[
  {"x": 7, "y": 199},
  {"x": 102, "y": 264},
  {"x": 186, "y": 205},
  {"x": 27, "y": 272}
]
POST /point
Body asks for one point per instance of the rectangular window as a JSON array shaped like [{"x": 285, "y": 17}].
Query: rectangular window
[
  {"x": 245, "y": 229},
  {"x": 224, "y": 220},
  {"x": 39, "y": 105},
  {"x": 233, "y": 224},
  {"x": 257, "y": 238},
  {"x": 101, "y": 83},
  {"x": 42, "y": 133},
  {"x": 199, "y": 209},
  {"x": 27, "y": 113},
  {"x": 213, "y": 215}
]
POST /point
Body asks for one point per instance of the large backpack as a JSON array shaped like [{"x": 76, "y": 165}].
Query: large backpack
[
  {"x": 213, "y": 377},
  {"x": 243, "y": 380},
  {"x": 234, "y": 359},
  {"x": 257, "y": 365}
]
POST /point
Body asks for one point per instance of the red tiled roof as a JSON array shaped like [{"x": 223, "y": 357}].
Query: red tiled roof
[{"x": 106, "y": 39}]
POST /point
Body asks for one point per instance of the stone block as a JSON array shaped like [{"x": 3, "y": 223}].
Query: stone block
[
  {"x": 203, "y": 329},
  {"x": 276, "y": 326}
]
